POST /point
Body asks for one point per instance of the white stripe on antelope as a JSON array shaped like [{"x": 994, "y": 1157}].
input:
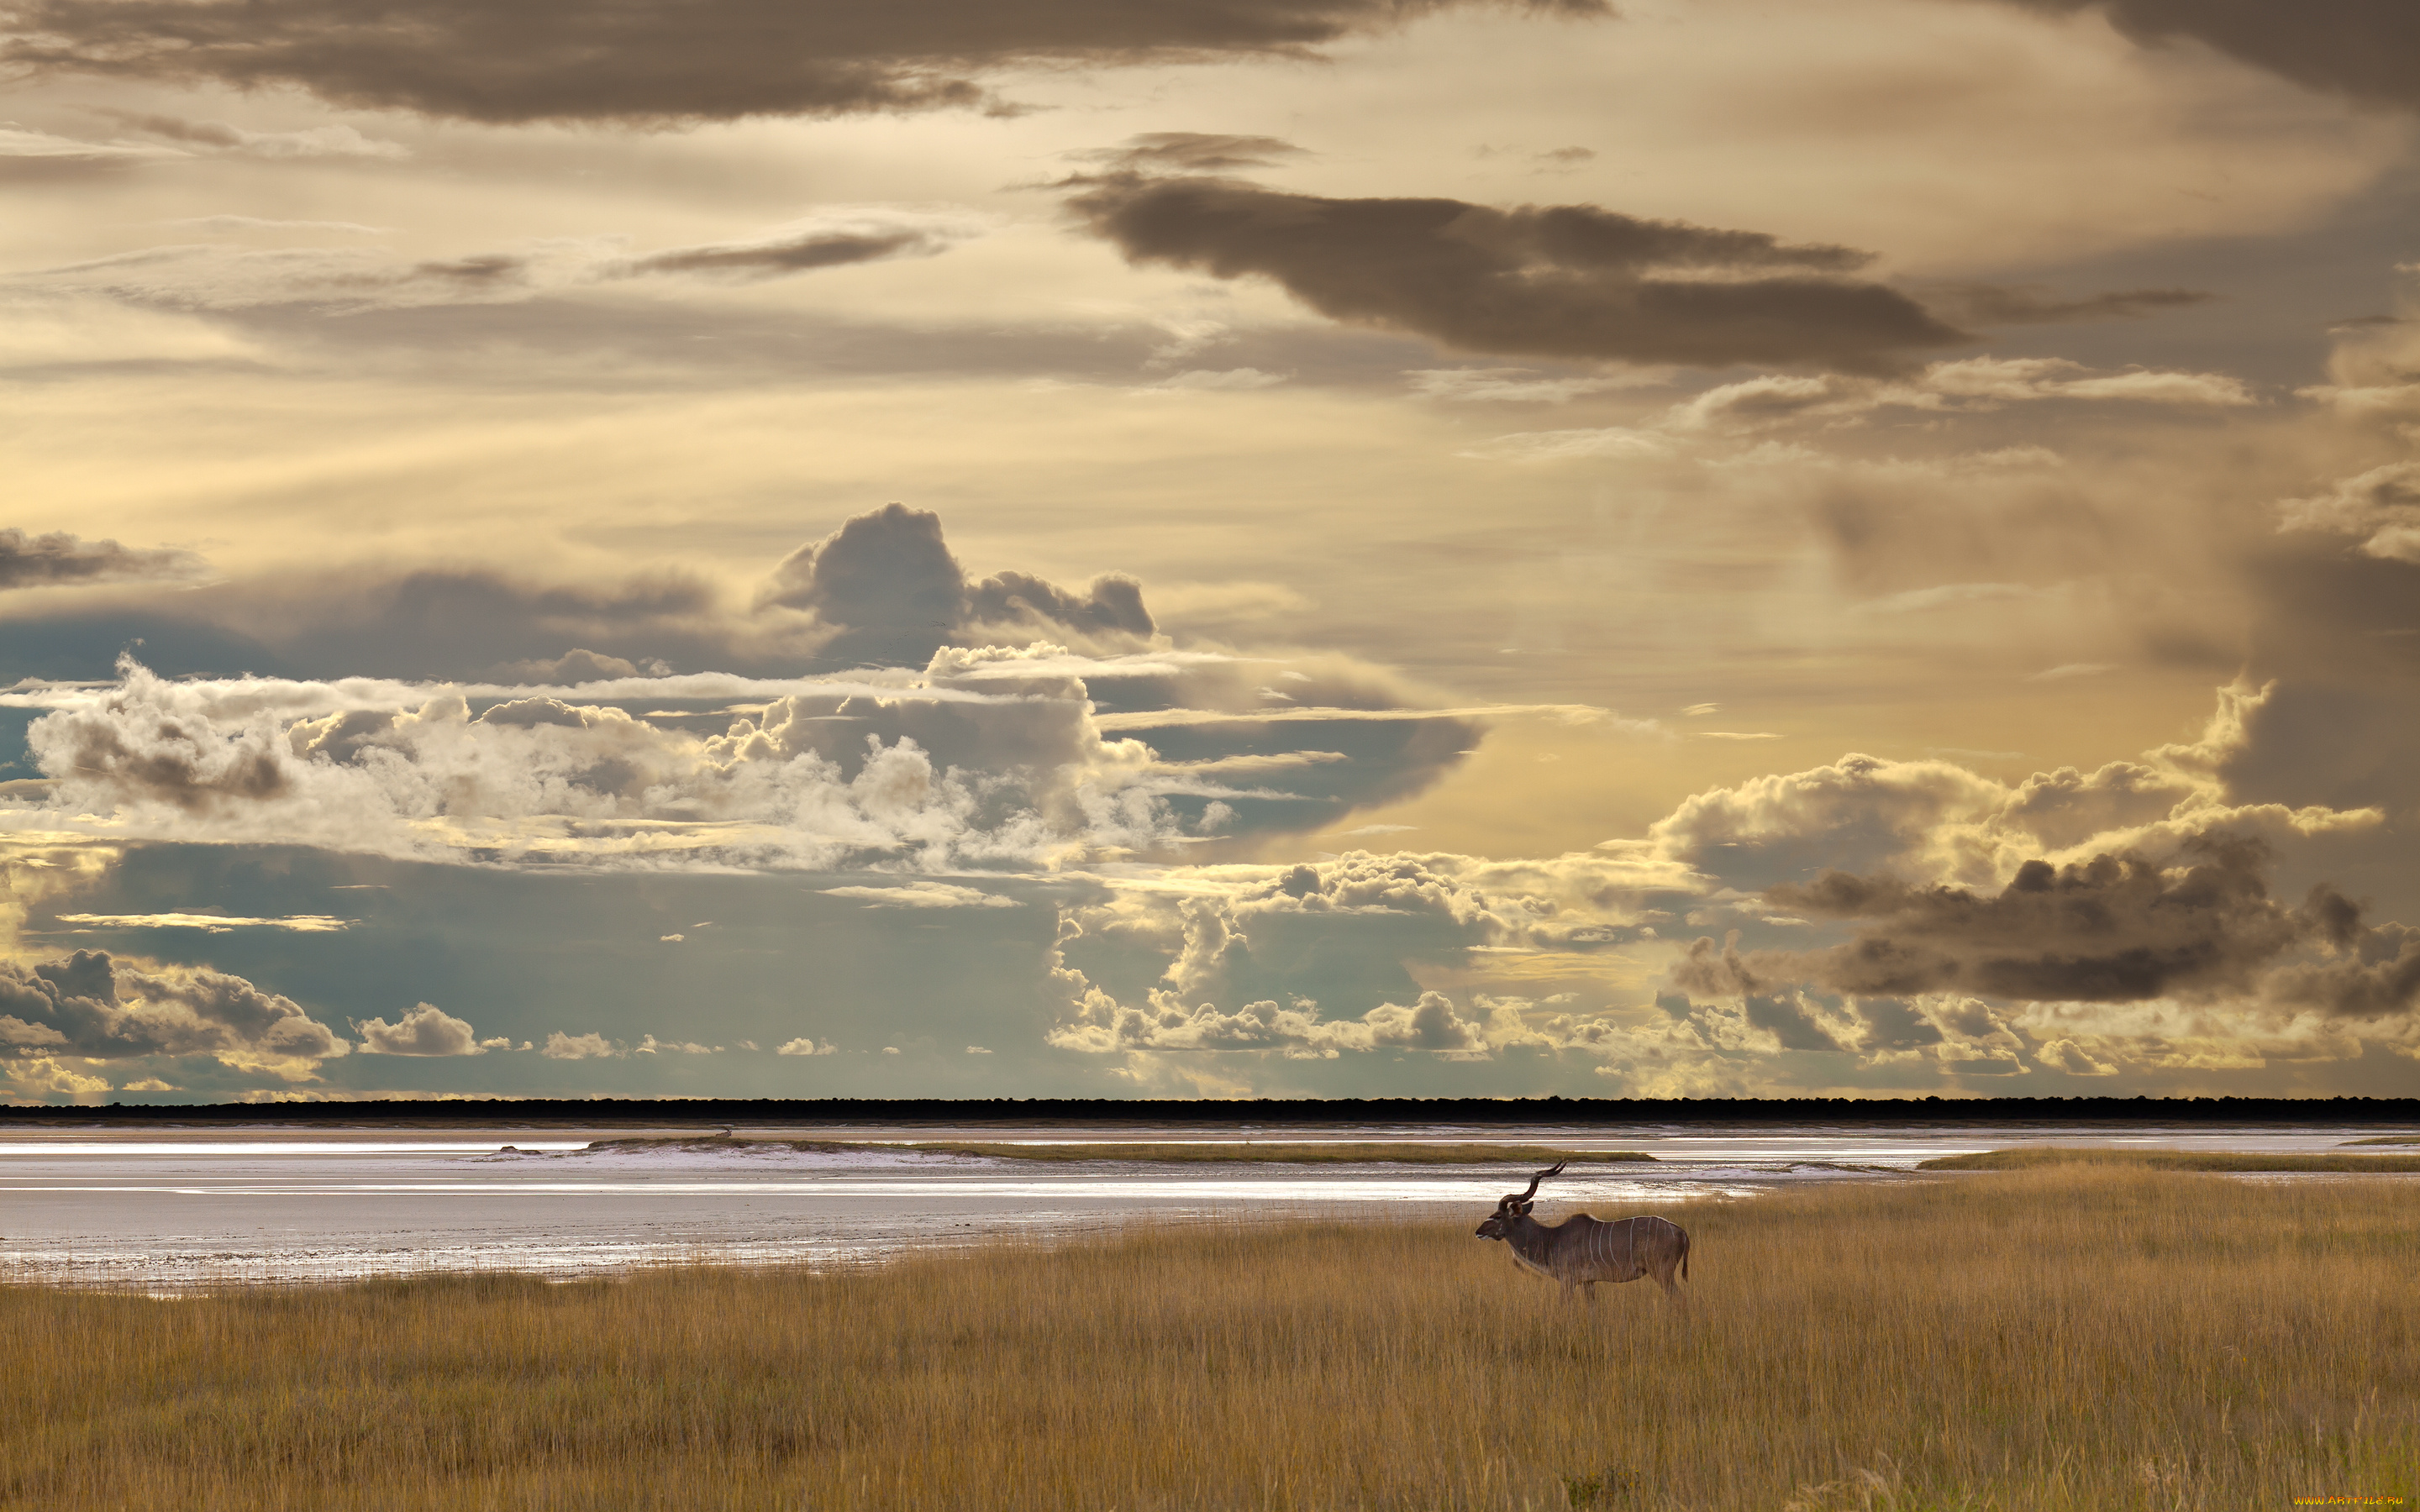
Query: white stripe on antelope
[{"x": 1581, "y": 1251}]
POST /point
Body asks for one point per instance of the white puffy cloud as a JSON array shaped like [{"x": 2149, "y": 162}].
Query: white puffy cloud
[
  {"x": 426, "y": 1029},
  {"x": 818, "y": 780},
  {"x": 1935, "y": 821},
  {"x": 650, "y": 1045},
  {"x": 1347, "y": 927},
  {"x": 562, "y": 1046},
  {"x": 1432, "y": 1024},
  {"x": 807, "y": 1045},
  {"x": 989, "y": 758}
]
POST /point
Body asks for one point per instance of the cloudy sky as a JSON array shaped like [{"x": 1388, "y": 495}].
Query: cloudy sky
[{"x": 980, "y": 548}]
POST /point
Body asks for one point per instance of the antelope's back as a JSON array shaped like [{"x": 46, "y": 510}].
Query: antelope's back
[{"x": 1592, "y": 1249}]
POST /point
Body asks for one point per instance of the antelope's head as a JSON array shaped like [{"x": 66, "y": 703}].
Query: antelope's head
[{"x": 1514, "y": 1205}]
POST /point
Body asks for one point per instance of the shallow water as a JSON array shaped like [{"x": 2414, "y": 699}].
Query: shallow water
[{"x": 165, "y": 1210}]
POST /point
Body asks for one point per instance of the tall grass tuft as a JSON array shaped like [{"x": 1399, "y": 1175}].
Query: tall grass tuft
[{"x": 2074, "y": 1338}]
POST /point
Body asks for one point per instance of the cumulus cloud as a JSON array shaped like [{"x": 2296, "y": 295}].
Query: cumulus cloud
[
  {"x": 890, "y": 588},
  {"x": 990, "y": 754},
  {"x": 719, "y": 59},
  {"x": 576, "y": 666},
  {"x": 1282, "y": 941},
  {"x": 59, "y": 558},
  {"x": 2114, "y": 928},
  {"x": 562, "y": 1046},
  {"x": 1554, "y": 281},
  {"x": 1432, "y": 1024},
  {"x": 425, "y": 1030},
  {"x": 2154, "y": 893},
  {"x": 953, "y": 767},
  {"x": 89, "y": 1007},
  {"x": 650, "y": 1045},
  {"x": 1934, "y": 820},
  {"x": 2376, "y": 974},
  {"x": 806, "y": 1045}
]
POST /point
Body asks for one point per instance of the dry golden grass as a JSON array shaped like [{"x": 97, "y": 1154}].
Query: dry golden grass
[
  {"x": 2170, "y": 1160},
  {"x": 2078, "y": 1338},
  {"x": 1389, "y": 1153}
]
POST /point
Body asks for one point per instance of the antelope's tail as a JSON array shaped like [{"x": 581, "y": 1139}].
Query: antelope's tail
[{"x": 1684, "y": 1255}]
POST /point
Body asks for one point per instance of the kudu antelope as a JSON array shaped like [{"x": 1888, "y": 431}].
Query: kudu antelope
[{"x": 1581, "y": 1251}]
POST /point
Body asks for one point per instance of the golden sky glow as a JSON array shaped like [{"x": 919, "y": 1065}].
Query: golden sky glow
[{"x": 1303, "y": 547}]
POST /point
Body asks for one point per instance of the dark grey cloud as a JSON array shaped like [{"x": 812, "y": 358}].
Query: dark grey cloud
[
  {"x": 2379, "y": 978},
  {"x": 378, "y": 620},
  {"x": 891, "y": 586},
  {"x": 1193, "y": 152},
  {"x": 2367, "y": 49},
  {"x": 1550, "y": 280},
  {"x": 712, "y": 59},
  {"x": 793, "y": 255},
  {"x": 1789, "y": 1024},
  {"x": 460, "y": 621},
  {"x": 87, "y": 1006},
  {"x": 884, "y": 588},
  {"x": 47, "y": 561},
  {"x": 157, "y": 756},
  {"x": 2027, "y": 305},
  {"x": 2114, "y": 928}
]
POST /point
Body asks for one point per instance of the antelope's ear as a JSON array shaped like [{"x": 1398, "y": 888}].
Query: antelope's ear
[{"x": 1522, "y": 1210}]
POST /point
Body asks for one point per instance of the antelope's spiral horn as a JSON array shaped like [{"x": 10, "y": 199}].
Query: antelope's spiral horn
[{"x": 1556, "y": 1169}]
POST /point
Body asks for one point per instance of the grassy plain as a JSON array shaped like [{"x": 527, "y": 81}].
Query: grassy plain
[
  {"x": 2082, "y": 1338},
  {"x": 1203, "y": 1153},
  {"x": 2040, "y": 1157}
]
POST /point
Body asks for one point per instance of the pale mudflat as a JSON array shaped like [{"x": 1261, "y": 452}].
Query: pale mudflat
[{"x": 167, "y": 1208}]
